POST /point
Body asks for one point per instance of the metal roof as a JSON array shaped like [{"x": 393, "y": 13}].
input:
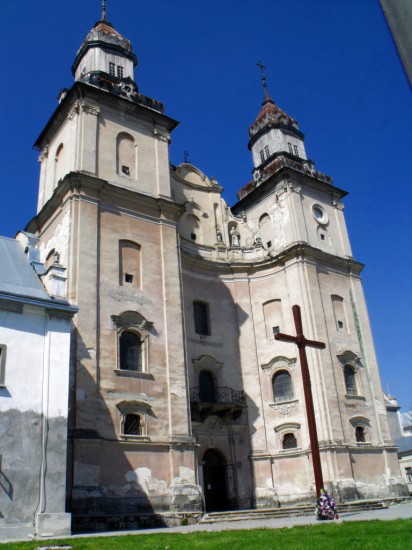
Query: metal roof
[
  {"x": 17, "y": 276},
  {"x": 404, "y": 444}
]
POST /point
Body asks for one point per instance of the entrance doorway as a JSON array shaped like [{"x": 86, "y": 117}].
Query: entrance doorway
[{"x": 215, "y": 481}]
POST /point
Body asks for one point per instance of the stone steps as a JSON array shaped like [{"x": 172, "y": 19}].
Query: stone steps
[{"x": 291, "y": 511}]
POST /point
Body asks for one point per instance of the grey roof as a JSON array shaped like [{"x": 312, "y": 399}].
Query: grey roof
[
  {"x": 404, "y": 444},
  {"x": 17, "y": 276}
]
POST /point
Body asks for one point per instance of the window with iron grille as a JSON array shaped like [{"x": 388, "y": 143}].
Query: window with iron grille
[
  {"x": 350, "y": 380},
  {"x": 119, "y": 71},
  {"x": 201, "y": 317},
  {"x": 130, "y": 351},
  {"x": 295, "y": 147},
  {"x": 112, "y": 69},
  {"x": 267, "y": 151},
  {"x": 289, "y": 441},
  {"x": 132, "y": 425},
  {"x": 206, "y": 387},
  {"x": 262, "y": 156},
  {"x": 282, "y": 386},
  {"x": 408, "y": 472},
  {"x": 360, "y": 434},
  {"x": 290, "y": 148}
]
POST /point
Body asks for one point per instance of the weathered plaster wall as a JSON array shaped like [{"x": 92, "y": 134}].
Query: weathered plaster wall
[{"x": 33, "y": 428}]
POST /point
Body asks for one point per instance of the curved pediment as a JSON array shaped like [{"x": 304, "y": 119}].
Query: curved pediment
[{"x": 193, "y": 176}]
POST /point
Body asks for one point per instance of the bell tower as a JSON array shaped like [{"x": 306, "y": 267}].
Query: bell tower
[
  {"x": 103, "y": 126},
  {"x": 274, "y": 134},
  {"x": 105, "y": 206}
]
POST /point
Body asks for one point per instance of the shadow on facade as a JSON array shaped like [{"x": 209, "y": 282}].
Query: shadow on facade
[
  {"x": 103, "y": 490},
  {"x": 220, "y": 410}
]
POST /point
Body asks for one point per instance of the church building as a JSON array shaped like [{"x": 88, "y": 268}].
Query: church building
[{"x": 180, "y": 397}]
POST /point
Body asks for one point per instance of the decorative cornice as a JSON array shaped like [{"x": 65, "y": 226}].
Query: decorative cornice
[
  {"x": 90, "y": 109},
  {"x": 44, "y": 154},
  {"x": 162, "y": 136},
  {"x": 278, "y": 363}
]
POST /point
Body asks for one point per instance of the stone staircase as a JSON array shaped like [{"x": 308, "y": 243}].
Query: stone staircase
[{"x": 295, "y": 511}]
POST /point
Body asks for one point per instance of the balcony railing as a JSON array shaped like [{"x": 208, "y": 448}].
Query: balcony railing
[{"x": 220, "y": 400}]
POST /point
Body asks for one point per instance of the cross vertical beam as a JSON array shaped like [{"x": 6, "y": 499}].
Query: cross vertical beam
[{"x": 302, "y": 343}]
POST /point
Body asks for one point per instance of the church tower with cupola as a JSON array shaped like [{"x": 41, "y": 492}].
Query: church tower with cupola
[
  {"x": 181, "y": 398},
  {"x": 105, "y": 207}
]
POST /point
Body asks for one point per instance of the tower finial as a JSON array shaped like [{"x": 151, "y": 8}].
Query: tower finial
[
  {"x": 265, "y": 88},
  {"x": 103, "y": 10}
]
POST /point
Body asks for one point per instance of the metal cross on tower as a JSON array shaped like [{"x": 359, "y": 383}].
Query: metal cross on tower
[
  {"x": 262, "y": 67},
  {"x": 103, "y": 10},
  {"x": 302, "y": 343}
]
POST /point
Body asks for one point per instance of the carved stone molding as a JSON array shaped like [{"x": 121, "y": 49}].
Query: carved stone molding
[
  {"x": 131, "y": 319},
  {"x": 349, "y": 357},
  {"x": 207, "y": 362},
  {"x": 338, "y": 205},
  {"x": 74, "y": 110},
  {"x": 287, "y": 427},
  {"x": 90, "y": 109},
  {"x": 162, "y": 136},
  {"x": 285, "y": 407},
  {"x": 44, "y": 154},
  {"x": 279, "y": 363}
]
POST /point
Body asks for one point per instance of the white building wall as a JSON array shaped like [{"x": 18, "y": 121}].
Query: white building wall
[
  {"x": 33, "y": 432},
  {"x": 277, "y": 140},
  {"x": 97, "y": 59}
]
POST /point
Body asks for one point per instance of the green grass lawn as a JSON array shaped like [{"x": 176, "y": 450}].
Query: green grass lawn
[{"x": 375, "y": 535}]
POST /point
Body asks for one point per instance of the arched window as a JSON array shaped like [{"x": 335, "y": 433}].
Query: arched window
[
  {"x": 350, "y": 380},
  {"x": 132, "y": 424},
  {"x": 282, "y": 386},
  {"x": 265, "y": 228},
  {"x": 59, "y": 163},
  {"x": 339, "y": 312},
  {"x": 130, "y": 351},
  {"x": 272, "y": 311},
  {"x": 126, "y": 155},
  {"x": 360, "y": 434},
  {"x": 129, "y": 263},
  {"x": 193, "y": 228},
  {"x": 206, "y": 387},
  {"x": 51, "y": 258},
  {"x": 289, "y": 441}
]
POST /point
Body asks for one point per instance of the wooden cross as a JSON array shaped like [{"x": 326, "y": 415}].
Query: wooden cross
[{"x": 302, "y": 343}]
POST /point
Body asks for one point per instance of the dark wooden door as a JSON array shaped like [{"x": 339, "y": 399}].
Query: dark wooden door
[{"x": 214, "y": 481}]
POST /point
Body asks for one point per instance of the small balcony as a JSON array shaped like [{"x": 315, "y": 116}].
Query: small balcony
[{"x": 221, "y": 401}]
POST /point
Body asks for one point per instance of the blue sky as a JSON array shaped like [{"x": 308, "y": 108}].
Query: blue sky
[{"x": 331, "y": 65}]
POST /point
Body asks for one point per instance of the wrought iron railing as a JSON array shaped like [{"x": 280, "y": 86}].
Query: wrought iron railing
[{"x": 221, "y": 395}]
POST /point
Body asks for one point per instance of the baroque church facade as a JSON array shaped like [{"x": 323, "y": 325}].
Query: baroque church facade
[{"x": 180, "y": 398}]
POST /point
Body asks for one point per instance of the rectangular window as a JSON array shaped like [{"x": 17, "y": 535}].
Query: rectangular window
[
  {"x": 340, "y": 325},
  {"x": 262, "y": 156},
  {"x": 112, "y": 69},
  {"x": 275, "y": 330},
  {"x": 267, "y": 151},
  {"x": 119, "y": 71},
  {"x": 295, "y": 147},
  {"x": 408, "y": 472},
  {"x": 128, "y": 278},
  {"x": 290, "y": 148},
  {"x": 201, "y": 317},
  {"x": 269, "y": 244},
  {"x": 2, "y": 365},
  {"x": 125, "y": 170},
  {"x": 193, "y": 236}
]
